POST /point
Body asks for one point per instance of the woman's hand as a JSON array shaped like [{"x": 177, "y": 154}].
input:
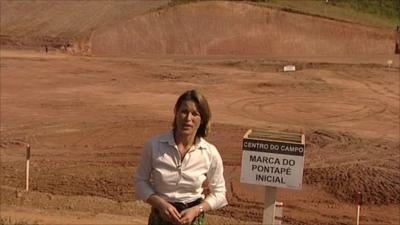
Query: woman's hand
[
  {"x": 166, "y": 210},
  {"x": 169, "y": 212},
  {"x": 188, "y": 215}
]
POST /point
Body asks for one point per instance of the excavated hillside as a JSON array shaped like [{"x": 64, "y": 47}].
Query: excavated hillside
[
  {"x": 26, "y": 24},
  {"x": 125, "y": 28},
  {"x": 234, "y": 28}
]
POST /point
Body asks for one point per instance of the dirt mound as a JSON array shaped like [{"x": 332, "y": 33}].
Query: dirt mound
[
  {"x": 377, "y": 179},
  {"x": 227, "y": 28},
  {"x": 379, "y": 186},
  {"x": 324, "y": 138}
]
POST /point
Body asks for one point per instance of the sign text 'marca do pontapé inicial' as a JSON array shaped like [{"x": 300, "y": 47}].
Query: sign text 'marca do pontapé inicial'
[{"x": 272, "y": 163}]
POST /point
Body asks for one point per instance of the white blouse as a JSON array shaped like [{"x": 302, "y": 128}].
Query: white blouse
[{"x": 161, "y": 172}]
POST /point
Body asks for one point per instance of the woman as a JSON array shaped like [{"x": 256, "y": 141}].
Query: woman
[{"x": 174, "y": 166}]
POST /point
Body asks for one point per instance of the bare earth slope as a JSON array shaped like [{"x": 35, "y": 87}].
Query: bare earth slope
[
  {"x": 229, "y": 28},
  {"x": 36, "y": 23}
]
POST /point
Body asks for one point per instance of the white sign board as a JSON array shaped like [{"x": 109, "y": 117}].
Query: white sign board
[
  {"x": 289, "y": 68},
  {"x": 272, "y": 163}
]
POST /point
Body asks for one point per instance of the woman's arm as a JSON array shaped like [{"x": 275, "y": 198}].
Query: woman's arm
[
  {"x": 145, "y": 192},
  {"x": 216, "y": 182},
  {"x": 143, "y": 188}
]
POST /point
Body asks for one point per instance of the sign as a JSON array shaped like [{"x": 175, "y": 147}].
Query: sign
[
  {"x": 289, "y": 68},
  {"x": 273, "y": 163}
]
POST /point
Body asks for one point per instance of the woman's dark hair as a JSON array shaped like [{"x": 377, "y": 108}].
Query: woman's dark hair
[{"x": 202, "y": 106}]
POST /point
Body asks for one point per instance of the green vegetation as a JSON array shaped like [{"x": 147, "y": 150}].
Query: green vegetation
[
  {"x": 9, "y": 221},
  {"x": 380, "y": 13},
  {"x": 384, "y": 8}
]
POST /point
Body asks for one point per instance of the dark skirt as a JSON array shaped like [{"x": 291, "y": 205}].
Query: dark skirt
[{"x": 156, "y": 219}]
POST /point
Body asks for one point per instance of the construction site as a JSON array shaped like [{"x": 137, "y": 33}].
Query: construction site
[{"x": 86, "y": 83}]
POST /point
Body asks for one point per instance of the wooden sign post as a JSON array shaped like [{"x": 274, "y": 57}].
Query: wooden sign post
[
  {"x": 272, "y": 159},
  {"x": 269, "y": 205},
  {"x": 278, "y": 213},
  {"x": 28, "y": 156},
  {"x": 358, "y": 202}
]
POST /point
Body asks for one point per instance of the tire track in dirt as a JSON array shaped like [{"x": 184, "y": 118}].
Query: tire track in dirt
[
  {"x": 385, "y": 92},
  {"x": 262, "y": 108}
]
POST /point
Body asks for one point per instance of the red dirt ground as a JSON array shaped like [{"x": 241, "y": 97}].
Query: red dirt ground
[{"x": 87, "y": 118}]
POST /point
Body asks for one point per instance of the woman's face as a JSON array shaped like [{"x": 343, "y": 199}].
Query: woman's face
[{"x": 188, "y": 118}]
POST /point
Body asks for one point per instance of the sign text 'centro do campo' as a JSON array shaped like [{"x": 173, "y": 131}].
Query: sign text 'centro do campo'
[{"x": 273, "y": 159}]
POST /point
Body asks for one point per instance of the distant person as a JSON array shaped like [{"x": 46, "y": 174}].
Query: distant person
[
  {"x": 175, "y": 164},
  {"x": 46, "y": 48}
]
